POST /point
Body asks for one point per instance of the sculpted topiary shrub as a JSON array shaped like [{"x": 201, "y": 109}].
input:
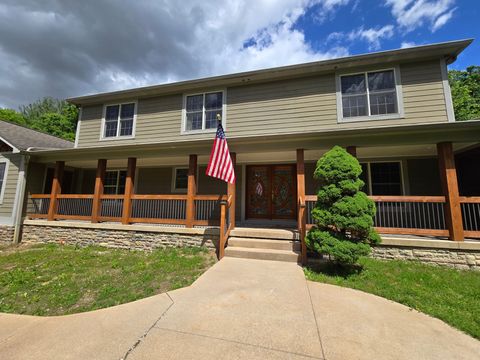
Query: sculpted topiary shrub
[{"x": 343, "y": 214}]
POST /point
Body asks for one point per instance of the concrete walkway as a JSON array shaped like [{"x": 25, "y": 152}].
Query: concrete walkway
[{"x": 241, "y": 309}]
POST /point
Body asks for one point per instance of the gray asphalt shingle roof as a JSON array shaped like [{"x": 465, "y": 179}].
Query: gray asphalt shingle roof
[{"x": 23, "y": 138}]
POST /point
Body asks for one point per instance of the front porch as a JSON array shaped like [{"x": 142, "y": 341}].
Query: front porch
[{"x": 192, "y": 200}]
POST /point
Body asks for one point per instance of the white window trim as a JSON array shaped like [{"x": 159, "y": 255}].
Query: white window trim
[
  {"x": 447, "y": 92},
  {"x": 398, "y": 90},
  {"x": 118, "y": 179},
  {"x": 184, "y": 130},
  {"x": 174, "y": 178},
  {"x": 5, "y": 177},
  {"x": 402, "y": 178},
  {"x": 118, "y": 137},
  {"x": 77, "y": 132}
]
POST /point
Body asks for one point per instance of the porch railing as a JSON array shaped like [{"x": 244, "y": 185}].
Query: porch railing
[
  {"x": 415, "y": 215},
  {"x": 154, "y": 209},
  {"x": 225, "y": 225},
  {"x": 74, "y": 206},
  {"x": 38, "y": 205},
  {"x": 471, "y": 216}
]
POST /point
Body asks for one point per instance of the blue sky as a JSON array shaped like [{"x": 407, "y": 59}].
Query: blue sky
[
  {"x": 463, "y": 23},
  {"x": 70, "y": 48}
]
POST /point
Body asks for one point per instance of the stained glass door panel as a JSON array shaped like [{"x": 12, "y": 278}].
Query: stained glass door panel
[
  {"x": 271, "y": 192},
  {"x": 283, "y": 192},
  {"x": 259, "y": 192}
]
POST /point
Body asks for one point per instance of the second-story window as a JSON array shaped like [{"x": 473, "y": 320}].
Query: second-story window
[
  {"x": 119, "y": 120},
  {"x": 202, "y": 110},
  {"x": 369, "y": 94}
]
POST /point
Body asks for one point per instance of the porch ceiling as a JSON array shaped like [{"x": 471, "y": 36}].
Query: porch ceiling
[{"x": 395, "y": 141}]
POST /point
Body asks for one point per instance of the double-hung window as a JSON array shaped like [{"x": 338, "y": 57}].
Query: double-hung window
[
  {"x": 114, "y": 183},
  {"x": 382, "y": 178},
  {"x": 369, "y": 95},
  {"x": 3, "y": 178},
  {"x": 180, "y": 179},
  {"x": 202, "y": 111},
  {"x": 119, "y": 121}
]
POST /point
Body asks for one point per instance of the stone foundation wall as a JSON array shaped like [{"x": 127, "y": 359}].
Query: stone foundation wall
[
  {"x": 123, "y": 239},
  {"x": 459, "y": 259},
  {"x": 6, "y": 234}
]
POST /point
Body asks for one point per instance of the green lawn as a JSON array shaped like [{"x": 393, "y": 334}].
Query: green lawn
[
  {"x": 450, "y": 295},
  {"x": 55, "y": 280}
]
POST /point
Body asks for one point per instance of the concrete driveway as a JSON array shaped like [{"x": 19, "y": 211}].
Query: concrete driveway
[{"x": 241, "y": 309}]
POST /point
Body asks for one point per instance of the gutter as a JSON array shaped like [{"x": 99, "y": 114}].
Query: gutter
[{"x": 34, "y": 148}]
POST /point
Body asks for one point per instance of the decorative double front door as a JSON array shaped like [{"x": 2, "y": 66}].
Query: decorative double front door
[{"x": 271, "y": 192}]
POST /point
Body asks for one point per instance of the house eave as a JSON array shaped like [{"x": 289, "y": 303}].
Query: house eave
[{"x": 447, "y": 50}]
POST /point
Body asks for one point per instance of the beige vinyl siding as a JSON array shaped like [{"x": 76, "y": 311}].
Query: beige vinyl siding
[
  {"x": 11, "y": 180},
  {"x": 154, "y": 180},
  {"x": 280, "y": 107}
]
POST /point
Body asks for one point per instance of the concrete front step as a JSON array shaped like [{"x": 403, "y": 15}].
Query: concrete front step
[
  {"x": 264, "y": 243},
  {"x": 262, "y": 254},
  {"x": 259, "y": 233}
]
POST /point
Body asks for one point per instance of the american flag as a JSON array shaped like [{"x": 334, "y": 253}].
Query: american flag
[{"x": 220, "y": 165}]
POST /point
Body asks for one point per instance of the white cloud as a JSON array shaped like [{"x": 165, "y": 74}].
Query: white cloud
[
  {"x": 71, "y": 48},
  {"x": 442, "y": 20},
  {"x": 408, "y": 44},
  {"x": 327, "y": 9},
  {"x": 372, "y": 36},
  {"x": 411, "y": 14}
]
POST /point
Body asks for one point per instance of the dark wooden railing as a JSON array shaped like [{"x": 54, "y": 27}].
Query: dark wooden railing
[
  {"x": 411, "y": 215},
  {"x": 415, "y": 215},
  {"x": 303, "y": 214},
  {"x": 225, "y": 225},
  {"x": 77, "y": 207},
  {"x": 153, "y": 209},
  {"x": 38, "y": 206},
  {"x": 471, "y": 215}
]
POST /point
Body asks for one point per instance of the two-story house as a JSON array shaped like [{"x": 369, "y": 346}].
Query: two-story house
[{"x": 140, "y": 155}]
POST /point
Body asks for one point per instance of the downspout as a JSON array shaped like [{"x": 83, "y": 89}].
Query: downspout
[{"x": 20, "y": 198}]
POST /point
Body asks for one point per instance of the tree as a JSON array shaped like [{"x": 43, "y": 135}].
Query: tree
[
  {"x": 465, "y": 87},
  {"x": 53, "y": 116},
  {"x": 56, "y": 125},
  {"x": 343, "y": 214},
  {"x": 12, "y": 116}
]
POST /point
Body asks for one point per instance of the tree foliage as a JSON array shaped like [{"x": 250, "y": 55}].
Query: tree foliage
[
  {"x": 465, "y": 86},
  {"x": 343, "y": 214},
  {"x": 12, "y": 116},
  {"x": 53, "y": 116}
]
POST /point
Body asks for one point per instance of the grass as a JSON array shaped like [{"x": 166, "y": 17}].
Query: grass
[
  {"x": 448, "y": 294},
  {"x": 57, "y": 280}
]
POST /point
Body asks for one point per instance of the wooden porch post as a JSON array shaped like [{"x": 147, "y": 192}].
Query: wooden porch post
[
  {"x": 301, "y": 202},
  {"x": 191, "y": 190},
  {"x": 352, "y": 150},
  {"x": 448, "y": 176},
  {"x": 56, "y": 189},
  {"x": 98, "y": 190},
  {"x": 129, "y": 182},
  {"x": 231, "y": 191}
]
